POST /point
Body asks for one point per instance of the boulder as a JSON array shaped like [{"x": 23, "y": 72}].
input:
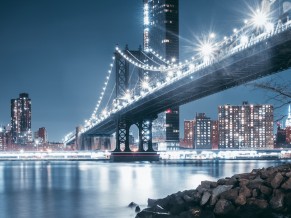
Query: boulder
[
  {"x": 132, "y": 204},
  {"x": 230, "y": 195},
  {"x": 266, "y": 190},
  {"x": 287, "y": 185},
  {"x": 244, "y": 182},
  {"x": 208, "y": 184},
  {"x": 217, "y": 191},
  {"x": 205, "y": 198},
  {"x": 151, "y": 202},
  {"x": 262, "y": 204},
  {"x": 137, "y": 209},
  {"x": 277, "y": 180},
  {"x": 223, "y": 207},
  {"x": 245, "y": 192},
  {"x": 255, "y": 193},
  {"x": 241, "y": 200},
  {"x": 277, "y": 200},
  {"x": 288, "y": 174}
]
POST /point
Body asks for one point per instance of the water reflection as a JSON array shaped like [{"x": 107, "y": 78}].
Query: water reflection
[{"x": 96, "y": 189}]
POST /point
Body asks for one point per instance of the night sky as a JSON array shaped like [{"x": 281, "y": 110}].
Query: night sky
[{"x": 59, "y": 52}]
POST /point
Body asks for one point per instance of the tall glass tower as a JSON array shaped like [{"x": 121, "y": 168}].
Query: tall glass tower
[
  {"x": 21, "y": 118},
  {"x": 161, "y": 34}
]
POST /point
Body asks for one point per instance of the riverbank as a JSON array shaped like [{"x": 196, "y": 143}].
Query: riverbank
[{"x": 263, "y": 192}]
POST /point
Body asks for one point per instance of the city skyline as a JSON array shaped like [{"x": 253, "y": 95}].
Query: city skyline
[{"x": 60, "y": 55}]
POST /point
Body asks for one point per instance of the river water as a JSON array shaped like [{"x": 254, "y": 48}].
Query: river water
[{"x": 34, "y": 189}]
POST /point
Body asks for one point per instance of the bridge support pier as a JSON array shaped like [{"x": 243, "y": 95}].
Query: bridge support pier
[{"x": 145, "y": 152}]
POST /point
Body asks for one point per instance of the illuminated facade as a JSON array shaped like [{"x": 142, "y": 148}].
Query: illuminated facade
[
  {"x": 214, "y": 134},
  {"x": 2, "y": 139},
  {"x": 161, "y": 27},
  {"x": 161, "y": 33},
  {"x": 21, "y": 119},
  {"x": 41, "y": 135},
  {"x": 202, "y": 132},
  {"x": 189, "y": 133},
  {"x": 245, "y": 127}
]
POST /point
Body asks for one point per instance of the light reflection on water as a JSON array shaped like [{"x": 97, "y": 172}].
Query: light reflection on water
[{"x": 95, "y": 189}]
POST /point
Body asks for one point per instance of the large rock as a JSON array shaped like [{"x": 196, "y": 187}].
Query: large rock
[
  {"x": 223, "y": 207},
  {"x": 245, "y": 191},
  {"x": 244, "y": 182},
  {"x": 287, "y": 185},
  {"x": 266, "y": 190},
  {"x": 241, "y": 200},
  {"x": 230, "y": 195},
  {"x": 217, "y": 191},
  {"x": 256, "y": 183},
  {"x": 152, "y": 202},
  {"x": 205, "y": 198},
  {"x": 277, "y": 200},
  {"x": 277, "y": 180},
  {"x": 262, "y": 204}
]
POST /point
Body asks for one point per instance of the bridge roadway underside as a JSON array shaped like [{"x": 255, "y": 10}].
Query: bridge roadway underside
[{"x": 262, "y": 59}]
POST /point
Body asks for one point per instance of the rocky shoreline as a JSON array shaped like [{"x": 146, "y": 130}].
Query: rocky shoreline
[{"x": 261, "y": 193}]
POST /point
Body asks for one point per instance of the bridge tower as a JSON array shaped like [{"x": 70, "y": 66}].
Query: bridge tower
[{"x": 122, "y": 151}]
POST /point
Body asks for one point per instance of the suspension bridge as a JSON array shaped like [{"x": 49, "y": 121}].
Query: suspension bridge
[{"x": 140, "y": 84}]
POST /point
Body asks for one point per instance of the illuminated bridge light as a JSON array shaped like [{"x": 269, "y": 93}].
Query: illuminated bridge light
[{"x": 260, "y": 18}]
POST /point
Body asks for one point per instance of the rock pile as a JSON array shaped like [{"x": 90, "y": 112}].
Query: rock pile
[{"x": 261, "y": 193}]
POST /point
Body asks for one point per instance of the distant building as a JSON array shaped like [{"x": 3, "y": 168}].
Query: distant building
[
  {"x": 280, "y": 136},
  {"x": 161, "y": 33},
  {"x": 41, "y": 135},
  {"x": 21, "y": 119},
  {"x": 202, "y": 132},
  {"x": 189, "y": 133},
  {"x": 245, "y": 126},
  {"x": 2, "y": 139},
  {"x": 214, "y": 134}
]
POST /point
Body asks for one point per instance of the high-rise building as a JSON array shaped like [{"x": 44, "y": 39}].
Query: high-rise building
[
  {"x": 2, "y": 139},
  {"x": 189, "y": 133},
  {"x": 288, "y": 126},
  {"x": 245, "y": 127},
  {"x": 21, "y": 118},
  {"x": 214, "y": 134},
  {"x": 202, "y": 132},
  {"x": 161, "y": 33}
]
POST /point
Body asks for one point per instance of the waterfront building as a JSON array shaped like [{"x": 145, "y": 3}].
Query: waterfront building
[
  {"x": 214, "y": 134},
  {"x": 21, "y": 119},
  {"x": 202, "y": 132},
  {"x": 245, "y": 126},
  {"x": 288, "y": 127},
  {"x": 2, "y": 139},
  {"x": 161, "y": 34},
  {"x": 41, "y": 135},
  {"x": 280, "y": 136},
  {"x": 189, "y": 133}
]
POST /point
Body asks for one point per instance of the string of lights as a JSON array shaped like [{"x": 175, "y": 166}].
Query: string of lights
[{"x": 209, "y": 51}]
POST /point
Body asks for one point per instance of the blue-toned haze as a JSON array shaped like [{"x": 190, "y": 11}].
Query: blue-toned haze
[{"x": 59, "y": 52}]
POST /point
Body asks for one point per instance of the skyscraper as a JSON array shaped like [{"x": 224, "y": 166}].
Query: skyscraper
[
  {"x": 21, "y": 118},
  {"x": 161, "y": 33},
  {"x": 245, "y": 126},
  {"x": 202, "y": 131}
]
